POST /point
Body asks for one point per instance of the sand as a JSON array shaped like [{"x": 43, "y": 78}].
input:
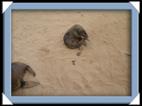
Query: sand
[{"x": 103, "y": 67}]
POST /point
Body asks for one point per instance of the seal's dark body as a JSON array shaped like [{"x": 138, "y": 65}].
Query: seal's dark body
[
  {"x": 75, "y": 37},
  {"x": 18, "y": 71}
]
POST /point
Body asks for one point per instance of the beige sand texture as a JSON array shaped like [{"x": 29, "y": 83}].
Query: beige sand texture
[{"x": 103, "y": 67}]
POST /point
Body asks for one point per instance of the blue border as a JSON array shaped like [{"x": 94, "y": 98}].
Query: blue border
[{"x": 71, "y": 99}]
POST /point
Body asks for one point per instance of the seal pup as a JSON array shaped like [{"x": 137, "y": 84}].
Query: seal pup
[
  {"x": 18, "y": 71},
  {"x": 75, "y": 37}
]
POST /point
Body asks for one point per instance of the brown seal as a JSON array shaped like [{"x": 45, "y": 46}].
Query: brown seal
[
  {"x": 18, "y": 71},
  {"x": 75, "y": 37}
]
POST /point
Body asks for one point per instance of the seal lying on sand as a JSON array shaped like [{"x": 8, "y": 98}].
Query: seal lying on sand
[
  {"x": 18, "y": 71},
  {"x": 75, "y": 37}
]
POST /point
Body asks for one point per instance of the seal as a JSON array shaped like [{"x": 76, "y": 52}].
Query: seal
[
  {"x": 75, "y": 37},
  {"x": 18, "y": 71}
]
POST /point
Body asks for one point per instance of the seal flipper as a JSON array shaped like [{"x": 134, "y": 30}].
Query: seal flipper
[
  {"x": 29, "y": 84},
  {"x": 23, "y": 83},
  {"x": 28, "y": 68}
]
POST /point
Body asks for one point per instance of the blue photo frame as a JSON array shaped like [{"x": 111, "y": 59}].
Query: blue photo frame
[{"x": 71, "y": 99}]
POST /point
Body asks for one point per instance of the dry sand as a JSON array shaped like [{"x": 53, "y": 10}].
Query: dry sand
[{"x": 103, "y": 68}]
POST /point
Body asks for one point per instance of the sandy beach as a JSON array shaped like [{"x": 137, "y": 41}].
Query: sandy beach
[{"x": 103, "y": 67}]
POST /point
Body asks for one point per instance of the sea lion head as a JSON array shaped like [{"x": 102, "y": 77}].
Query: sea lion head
[{"x": 80, "y": 32}]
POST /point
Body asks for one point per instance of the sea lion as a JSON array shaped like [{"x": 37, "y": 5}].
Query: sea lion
[
  {"x": 75, "y": 37},
  {"x": 18, "y": 71}
]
